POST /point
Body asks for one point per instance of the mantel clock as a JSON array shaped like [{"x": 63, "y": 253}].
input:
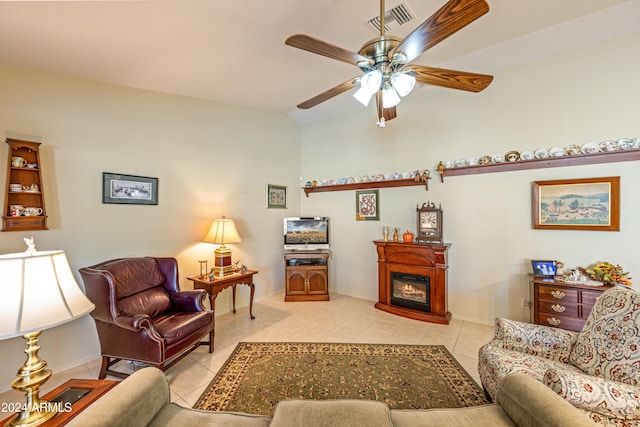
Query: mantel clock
[{"x": 429, "y": 223}]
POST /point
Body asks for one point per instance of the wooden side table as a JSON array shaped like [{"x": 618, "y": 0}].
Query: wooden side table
[
  {"x": 218, "y": 284},
  {"x": 73, "y": 397}
]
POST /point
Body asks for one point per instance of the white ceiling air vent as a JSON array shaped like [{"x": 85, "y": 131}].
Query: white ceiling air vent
[{"x": 393, "y": 18}]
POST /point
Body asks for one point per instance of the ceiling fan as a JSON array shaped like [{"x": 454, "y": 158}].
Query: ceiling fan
[{"x": 385, "y": 60}]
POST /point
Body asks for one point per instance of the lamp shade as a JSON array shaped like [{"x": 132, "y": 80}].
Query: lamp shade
[
  {"x": 222, "y": 231},
  {"x": 39, "y": 292}
]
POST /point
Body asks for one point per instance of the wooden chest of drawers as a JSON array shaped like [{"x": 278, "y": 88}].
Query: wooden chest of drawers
[{"x": 562, "y": 305}]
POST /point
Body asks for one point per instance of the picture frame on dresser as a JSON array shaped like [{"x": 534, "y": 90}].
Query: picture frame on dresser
[
  {"x": 577, "y": 204},
  {"x": 129, "y": 189}
]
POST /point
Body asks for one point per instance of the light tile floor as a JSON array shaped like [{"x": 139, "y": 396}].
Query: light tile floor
[{"x": 343, "y": 319}]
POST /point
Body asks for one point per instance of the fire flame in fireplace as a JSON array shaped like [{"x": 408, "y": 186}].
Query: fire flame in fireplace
[{"x": 408, "y": 291}]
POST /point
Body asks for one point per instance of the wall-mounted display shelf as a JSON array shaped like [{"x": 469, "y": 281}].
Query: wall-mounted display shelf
[
  {"x": 24, "y": 197},
  {"x": 367, "y": 185},
  {"x": 550, "y": 162}
]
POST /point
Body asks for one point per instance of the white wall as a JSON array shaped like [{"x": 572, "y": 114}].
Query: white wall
[
  {"x": 211, "y": 160},
  {"x": 585, "y": 95}
]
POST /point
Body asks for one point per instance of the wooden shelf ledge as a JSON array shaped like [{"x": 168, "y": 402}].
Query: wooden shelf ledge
[
  {"x": 409, "y": 182},
  {"x": 550, "y": 162}
]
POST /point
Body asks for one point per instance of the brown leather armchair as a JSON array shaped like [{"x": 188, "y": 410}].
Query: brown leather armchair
[{"x": 141, "y": 314}]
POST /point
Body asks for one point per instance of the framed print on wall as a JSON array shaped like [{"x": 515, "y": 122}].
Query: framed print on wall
[
  {"x": 577, "y": 204},
  {"x": 367, "y": 205},
  {"x": 129, "y": 189},
  {"x": 276, "y": 196}
]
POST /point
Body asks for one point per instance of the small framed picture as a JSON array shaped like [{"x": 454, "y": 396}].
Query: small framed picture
[
  {"x": 129, "y": 189},
  {"x": 367, "y": 205},
  {"x": 276, "y": 196},
  {"x": 577, "y": 204}
]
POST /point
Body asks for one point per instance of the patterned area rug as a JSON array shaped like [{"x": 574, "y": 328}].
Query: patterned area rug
[{"x": 258, "y": 375}]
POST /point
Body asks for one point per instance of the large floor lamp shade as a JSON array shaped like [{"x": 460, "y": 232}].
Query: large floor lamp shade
[
  {"x": 39, "y": 292},
  {"x": 222, "y": 230}
]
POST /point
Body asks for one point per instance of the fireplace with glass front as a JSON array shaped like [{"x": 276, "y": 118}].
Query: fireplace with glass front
[
  {"x": 412, "y": 280},
  {"x": 410, "y": 290}
]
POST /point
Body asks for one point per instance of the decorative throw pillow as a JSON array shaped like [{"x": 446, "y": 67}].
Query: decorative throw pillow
[{"x": 609, "y": 344}]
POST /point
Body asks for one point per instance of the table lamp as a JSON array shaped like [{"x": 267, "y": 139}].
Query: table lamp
[
  {"x": 38, "y": 292},
  {"x": 222, "y": 231}
]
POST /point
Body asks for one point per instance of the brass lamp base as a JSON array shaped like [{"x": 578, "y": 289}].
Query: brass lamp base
[
  {"x": 31, "y": 376},
  {"x": 222, "y": 262}
]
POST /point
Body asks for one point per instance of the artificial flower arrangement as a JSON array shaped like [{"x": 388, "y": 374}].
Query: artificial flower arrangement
[{"x": 607, "y": 273}]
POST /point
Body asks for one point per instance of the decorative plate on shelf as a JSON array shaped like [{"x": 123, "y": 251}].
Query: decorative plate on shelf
[
  {"x": 485, "y": 160},
  {"x": 460, "y": 163},
  {"x": 541, "y": 153},
  {"x": 590, "y": 148},
  {"x": 556, "y": 152},
  {"x": 512, "y": 156},
  {"x": 572, "y": 150},
  {"x": 608, "y": 146},
  {"x": 527, "y": 155}
]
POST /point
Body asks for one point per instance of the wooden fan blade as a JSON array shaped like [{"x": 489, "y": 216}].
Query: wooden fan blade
[
  {"x": 313, "y": 45},
  {"x": 453, "y": 16},
  {"x": 453, "y": 79},
  {"x": 328, "y": 94},
  {"x": 387, "y": 113}
]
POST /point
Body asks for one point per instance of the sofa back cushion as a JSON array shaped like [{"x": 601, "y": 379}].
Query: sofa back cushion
[
  {"x": 139, "y": 286},
  {"x": 609, "y": 344}
]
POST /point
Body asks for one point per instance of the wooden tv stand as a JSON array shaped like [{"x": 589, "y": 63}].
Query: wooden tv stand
[{"x": 307, "y": 276}]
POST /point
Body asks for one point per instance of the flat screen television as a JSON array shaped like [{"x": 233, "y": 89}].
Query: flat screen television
[{"x": 306, "y": 233}]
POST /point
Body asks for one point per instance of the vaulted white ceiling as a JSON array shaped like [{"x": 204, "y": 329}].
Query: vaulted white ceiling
[{"x": 233, "y": 51}]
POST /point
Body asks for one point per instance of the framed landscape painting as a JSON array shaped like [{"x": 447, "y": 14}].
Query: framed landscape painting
[
  {"x": 577, "y": 204},
  {"x": 129, "y": 189}
]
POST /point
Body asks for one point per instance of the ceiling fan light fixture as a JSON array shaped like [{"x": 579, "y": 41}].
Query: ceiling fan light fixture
[
  {"x": 364, "y": 95},
  {"x": 403, "y": 82},
  {"x": 372, "y": 80},
  {"x": 390, "y": 97}
]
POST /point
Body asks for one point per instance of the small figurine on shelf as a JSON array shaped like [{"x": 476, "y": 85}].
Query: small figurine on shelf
[
  {"x": 395, "y": 234},
  {"x": 243, "y": 269},
  {"x": 235, "y": 266},
  {"x": 211, "y": 275},
  {"x": 385, "y": 233},
  {"x": 559, "y": 268}
]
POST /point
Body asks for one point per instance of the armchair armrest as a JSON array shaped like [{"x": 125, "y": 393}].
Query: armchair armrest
[
  {"x": 133, "y": 323},
  {"x": 595, "y": 394},
  {"x": 189, "y": 301},
  {"x": 537, "y": 340}
]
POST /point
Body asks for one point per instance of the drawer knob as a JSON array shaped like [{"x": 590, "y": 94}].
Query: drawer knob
[
  {"x": 553, "y": 321},
  {"x": 558, "y": 308},
  {"x": 557, "y": 294}
]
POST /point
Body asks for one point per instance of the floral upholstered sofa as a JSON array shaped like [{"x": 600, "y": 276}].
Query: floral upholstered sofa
[{"x": 597, "y": 370}]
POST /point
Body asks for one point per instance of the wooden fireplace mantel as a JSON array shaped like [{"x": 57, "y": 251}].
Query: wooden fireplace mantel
[{"x": 420, "y": 259}]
